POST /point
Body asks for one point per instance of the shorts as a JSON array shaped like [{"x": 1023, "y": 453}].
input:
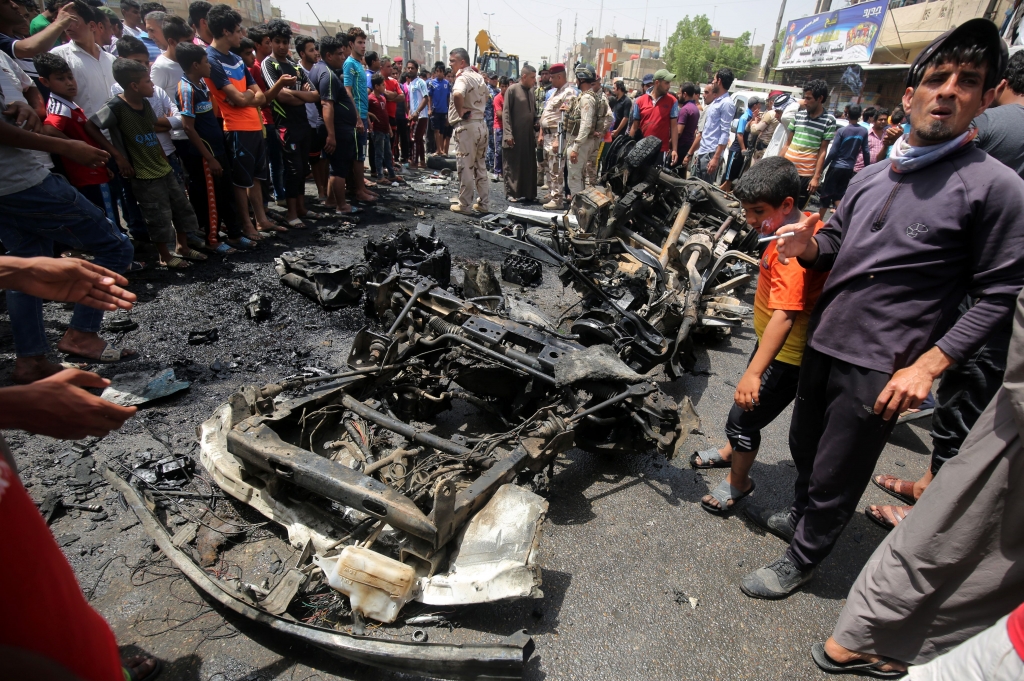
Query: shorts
[
  {"x": 165, "y": 208},
  {"x": 248, "y": 157},
  {"x": 778, "y": 389},
  {"x": 345, "y": 151},
  {"x": 735, "y": 168},
  {"x": 836, "y": 183},
  {"x": 316, "y": 144},
  {"x": 361, "y": 139},
  {"x": 439, "y": 122}
]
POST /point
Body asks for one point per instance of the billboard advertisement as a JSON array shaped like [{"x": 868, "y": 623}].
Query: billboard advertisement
[{"x": 845, "y": 36}]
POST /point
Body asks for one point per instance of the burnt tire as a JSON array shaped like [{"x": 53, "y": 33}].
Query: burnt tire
[
  {"x": 644, "y": 152},
  {"x": 441, "y": 163}
]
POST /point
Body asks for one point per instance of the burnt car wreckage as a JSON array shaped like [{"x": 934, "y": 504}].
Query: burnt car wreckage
[{"x": 413, "y": 475}]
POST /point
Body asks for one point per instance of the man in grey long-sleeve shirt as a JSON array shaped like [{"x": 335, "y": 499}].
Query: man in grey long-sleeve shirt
[{"x": 912, "y": 237}]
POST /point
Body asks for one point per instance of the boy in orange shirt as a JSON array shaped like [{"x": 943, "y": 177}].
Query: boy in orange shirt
[{"x": 786, "y": 294}]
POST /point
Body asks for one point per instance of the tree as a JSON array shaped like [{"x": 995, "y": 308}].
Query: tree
[
  {"x": 688, "y": 52},
  {"x": 688, "y": 49},
  {"x": 738, "y": 56}
]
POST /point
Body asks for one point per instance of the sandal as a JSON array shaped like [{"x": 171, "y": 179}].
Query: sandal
[
  {"x": 244, "y": 242},
  {"x": 176, "y": 263},
  {"x": 136, "y": 266},
  {"x": 131, "y": 672},
  {"x": 873, "y": 669},
  {"x": 191, "y": 254},
  {"x": 297, "y": 224},
  {"x": 709, "y": 458},
  {"x": 224, "y": 249},
  {"x": 109, "y": 355},
  {"x": 901, "y": 489},
  {"x": 723, "y": 493},
  {"x": 891, "y": 516}
]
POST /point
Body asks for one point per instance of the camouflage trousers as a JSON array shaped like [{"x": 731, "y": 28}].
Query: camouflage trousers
[
  {"x": 553, "y": 167},
  {"x": 579, "y": 172}
]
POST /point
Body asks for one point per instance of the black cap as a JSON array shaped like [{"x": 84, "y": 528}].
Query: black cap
[{"x": 980, "y": 31}]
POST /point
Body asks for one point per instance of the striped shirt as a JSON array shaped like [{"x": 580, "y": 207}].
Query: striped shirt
[{"x": 808, "y": 134}]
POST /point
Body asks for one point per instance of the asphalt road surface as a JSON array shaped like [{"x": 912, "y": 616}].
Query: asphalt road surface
[{"x": 639, "y": 582}]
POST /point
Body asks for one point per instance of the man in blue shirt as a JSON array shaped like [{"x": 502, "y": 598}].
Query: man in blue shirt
[
  {"x": 738, "y": 151},
  {"x": 439, "y": 90},
  {"x": 354, "y": 76},
  {"x": 717, "y": 124},
  {"x": 850, "y": 142}
]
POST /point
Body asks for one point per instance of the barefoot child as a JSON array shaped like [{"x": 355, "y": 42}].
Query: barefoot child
[{"x": 786, "y": 294}]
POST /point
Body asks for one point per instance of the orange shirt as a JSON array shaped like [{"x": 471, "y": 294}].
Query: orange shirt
[
  {"x": 787, "y": 287},
  {"x": 229, "y": 69}
]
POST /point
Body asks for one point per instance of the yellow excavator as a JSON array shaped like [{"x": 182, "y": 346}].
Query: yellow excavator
[{"x": 489, "y": 57}]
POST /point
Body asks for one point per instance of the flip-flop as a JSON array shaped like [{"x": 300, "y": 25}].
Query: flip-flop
[
  {"x": 109, "y": 355},
  {"x": 873, "y": 669},
  {"x": 353, "y": 210},
  {"x": 723, "y": 493},
  {"x": 709, "y": 458},
  {"x": 246, "y": 243},
  {"x": 176, "y": 263},
  {"x": 896, "y": 515},
  {"x": 902, "y": 496},
  {"x": 129, "y": 675},
  {"x": 274, "y": 230},
  {"x": 224, "y": 249},
  {"x": 191, "y": 254},
  {"x": 136, "y": 266},
  {"x": 297, "y": 224}
]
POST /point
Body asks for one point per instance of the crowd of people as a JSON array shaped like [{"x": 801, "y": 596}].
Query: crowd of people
[{"x": 184, "y": 131}]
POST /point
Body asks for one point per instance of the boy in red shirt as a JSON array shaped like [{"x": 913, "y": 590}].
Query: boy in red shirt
[
  {"x": 66, "y": 119},
  {"x": 381, "y": 124},
  {"x": 786, "y": 294}
]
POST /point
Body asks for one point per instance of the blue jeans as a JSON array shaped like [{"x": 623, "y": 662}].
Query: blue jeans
[
  {"x": 498, "y": 136},
  {"x": 382, "y": 154},
  {"x": 35, "y": 218},
  {"x": 489, "y": 160},
  {"x": 275, "y": 157},
  {"x": 121, "y": 189}
]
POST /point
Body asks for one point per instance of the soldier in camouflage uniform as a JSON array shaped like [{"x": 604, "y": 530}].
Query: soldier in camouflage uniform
[
  {"x": 559, "y": 102},
  {"x": 581, "y": 127},
  {"x": 604, "y": 122}
]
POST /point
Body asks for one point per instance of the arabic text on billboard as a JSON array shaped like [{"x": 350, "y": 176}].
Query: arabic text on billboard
[{"x": 846, "y": 36}]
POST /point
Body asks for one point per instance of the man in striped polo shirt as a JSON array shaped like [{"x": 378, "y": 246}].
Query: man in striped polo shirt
[{"x": 809, "y": 135}]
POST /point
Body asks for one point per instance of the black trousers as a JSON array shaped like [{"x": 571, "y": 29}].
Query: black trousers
[
  {"x": 212, "y": 198},
  {"x": 402, "y": 139},
  {"x": 295, "y": 152},
  {"x": 778, "y": 388},
  {"x": 835, "y": 439},
  {"x": 964, "y": 392}
]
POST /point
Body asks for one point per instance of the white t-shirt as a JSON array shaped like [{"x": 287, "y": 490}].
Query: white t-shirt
[
  {"x": 15, "y": 83},
  {"x": 95, "y": 76},
  {"x": 19, "y": 168},
  {"x": 166, "y": 74}
]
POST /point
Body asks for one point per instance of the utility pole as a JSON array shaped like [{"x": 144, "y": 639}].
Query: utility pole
[
  {"x": 369, "y": 34},
  {"x": 405, "y": 37},
  {"x": 558, "y": 40},
  {"x": 467, "y": 25},
  {"x": 600, "y": 13},
  {"x": 575, "y": 19},
  {"x": 770, "y": 64},
  {"x": 488, "y": 15}
]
